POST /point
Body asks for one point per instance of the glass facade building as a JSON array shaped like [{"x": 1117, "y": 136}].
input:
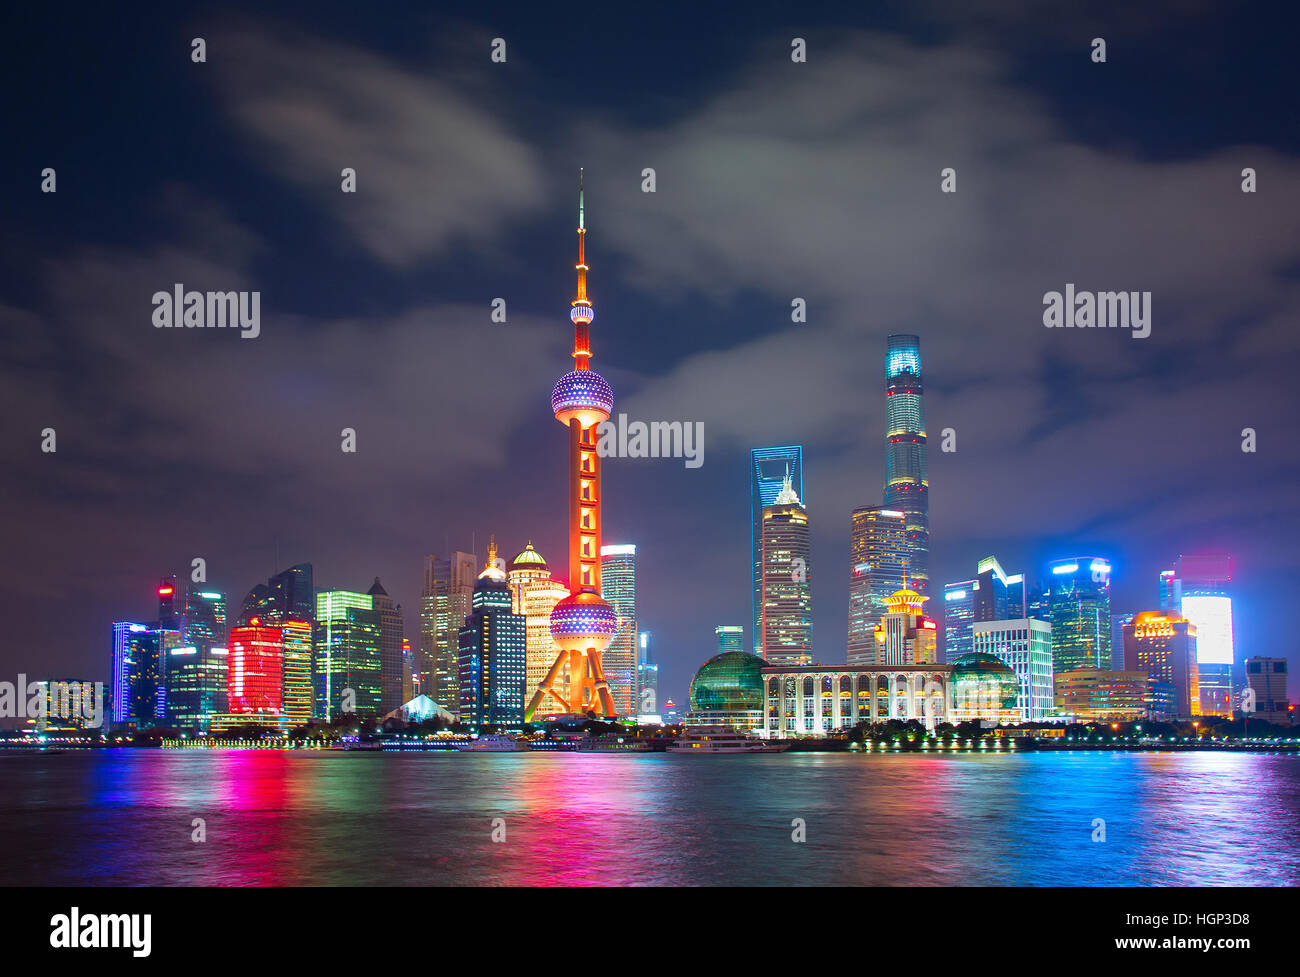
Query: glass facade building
[
  {"x": 786, "y": 615},
  {"x": 647, "y": 676},
  {"x": 731, "y": 637},
  {"x": 1199, "y": 588},
  {"x": 768, "y": 468},
  {"x": 1025, "y": 645},
  {"x": 1079, "y": 608},
  {"x": 255, "y": 670},
  {"x": 392, "y": 665},
  {"x": 907, "y": 480},
  {"x": 346, "y": 665},
  {"x": 296, "y": 688},
  {"x": 728, "y": 690},
  {"x": 880, "y": 555},
  {"x": 618, "y": 588},
  {"x": 444, "y": 605},
  {"x": 1162, "y": 645},
  {"x": 493, "y": 657}
]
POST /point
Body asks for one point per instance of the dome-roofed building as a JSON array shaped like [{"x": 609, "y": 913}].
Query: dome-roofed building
[
  {"x": 728, "y": 690},
  {"x": 983, "y": 686}
]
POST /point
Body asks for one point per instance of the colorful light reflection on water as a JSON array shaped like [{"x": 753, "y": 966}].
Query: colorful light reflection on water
[{"x": 124, "y": 817}]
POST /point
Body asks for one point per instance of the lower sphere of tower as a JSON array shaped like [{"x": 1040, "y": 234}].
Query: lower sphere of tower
[{"x": 583, "y": 620}]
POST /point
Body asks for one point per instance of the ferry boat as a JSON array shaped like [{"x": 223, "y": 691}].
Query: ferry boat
[
  {"x": 721, "y": 739},
  {"x": 494, "y": 743}
]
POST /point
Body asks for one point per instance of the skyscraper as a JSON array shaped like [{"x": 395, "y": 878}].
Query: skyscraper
[
  {"x": 786, "y": 619},
  {"x": 255, "y": 670},
  {"x": 583, "y": 623},
  {"x": 647, "y": 677},
  {"x": 731, "y": 637},
  {"x": 444, "y": 603},
  {"x": 1266, "y": 681},
  {"x": 1163, "y": 646},
  {"x": 1200, "y": 589},
  {"x": 540, "y": 599},
  {"x": 391, "y": 633},
  {"x": 296, "y": 686},
  {"x": 196, "y": 668},
  {"x": 493, "y": 659},
  {"x": 992, "y": 595},
  {"x": 346, "y": 648},
  {"x": 880, "y": 554},
  {"x": 1025, "y": 644},
  {"x": 768, "y": 468},
  {"x": 1079, "y": 608},
  {"x": 527, "y": 568},
  {"x": 907, "y": 482},
  {"x": 618, "y": 587}
]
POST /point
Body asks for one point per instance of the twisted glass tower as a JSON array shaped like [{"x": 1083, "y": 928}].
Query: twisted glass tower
[{"x": 907, "y": 481}]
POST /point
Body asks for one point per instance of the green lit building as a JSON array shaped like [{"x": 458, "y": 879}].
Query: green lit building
[
  {"x": 347, "y": 666},
  {"x": 728, "y": 691},
  {"x": 1079, "y": 611}
]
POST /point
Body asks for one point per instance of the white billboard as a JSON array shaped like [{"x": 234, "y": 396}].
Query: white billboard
[{"x": 1213, "y": 619}]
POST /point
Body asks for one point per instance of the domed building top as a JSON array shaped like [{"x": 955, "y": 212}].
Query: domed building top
[
  {"x": 979, "y": 678},
  {"x": 528, "y": 559},
  {"x": 729, "y": 682}
]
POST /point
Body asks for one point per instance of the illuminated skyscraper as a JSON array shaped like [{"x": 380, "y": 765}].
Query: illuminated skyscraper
[
  {"x": 905, "y": 636},
  {"x": 768, "y": 468},
  {"x": 391, "y": 633},
  {"x": 196, "y": 668},
  {"x": 493, "y": 658},
  {"x": 296, "y": 681},
  {"x": 583, "y": 623},
  {"x": 444, "y": 604},
  {"x": 731, "y": 637},
  {"x": 1079, "y": 608},
  {"x": 1200, "y": 589},
  {"x": 786, "y": 621},
  {"x": 255, "y": 670},
  {"x": 880, "y": 552},
  {"x": 1025, "y": 644},
  {"x": 993, "y": 595},
  {"x": 1163, "y": 646},
  {"x": 907, "y": 482},
  {"x": 647, "y": 677},
  {"x": 1266, "y": 682},
  {"x": 346, "y": 648},
  {"x": 618, "y": 587}
]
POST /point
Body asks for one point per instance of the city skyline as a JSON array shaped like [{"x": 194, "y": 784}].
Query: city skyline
[{"x": 368, "y": 311}]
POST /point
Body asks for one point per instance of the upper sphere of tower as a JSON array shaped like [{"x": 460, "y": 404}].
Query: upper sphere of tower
[
  {"x": 583, "y": 394},
  {"x": 582, "y": 313}
]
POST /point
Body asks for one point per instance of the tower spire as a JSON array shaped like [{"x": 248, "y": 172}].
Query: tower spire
[{"x": 582, "y": 312}]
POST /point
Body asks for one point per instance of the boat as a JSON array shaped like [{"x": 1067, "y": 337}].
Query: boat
[
  {"x": 494, "y": 743},
  {"x": 721, "y": 739},
  {"x": 612, "y": 743}
]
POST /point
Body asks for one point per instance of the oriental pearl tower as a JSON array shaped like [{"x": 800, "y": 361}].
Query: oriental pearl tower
[{"x": 582, "y": 624}]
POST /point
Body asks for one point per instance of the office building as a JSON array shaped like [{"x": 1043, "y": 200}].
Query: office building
[
  {"x": 1079, "y": 612},
  {"x": 1162, "y": 646},
  {"x": 907, "y": 480},
  {"x": 768, "y": 471},
  {"x": 731, "y": 637},
  {"x": 493, "y": 654},
  {"x": 1266, "y": 685},
  {"x": 880, "y": 554},
  {"x": 346, "y": 647},
  {"x": 296, "y": 692},
  {"x": 618, "y": 587},
  {"x": 255, "y": 670},
  {"x": 786, "y": 613},
  {"x": 1101, "y": 695},
  {"x": 391, "y": 635},
  {"x": 1025, "y": 645},
  {"x": 1199, "y": 589},
  {"x": 444, "y": 604},
  {"x": 647, "y": 677}
]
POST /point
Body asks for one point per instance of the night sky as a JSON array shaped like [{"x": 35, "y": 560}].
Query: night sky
[{"x": 775, "y": 180}]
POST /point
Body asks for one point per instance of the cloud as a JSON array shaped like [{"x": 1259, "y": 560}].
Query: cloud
[{"x": 433, "y": 168}]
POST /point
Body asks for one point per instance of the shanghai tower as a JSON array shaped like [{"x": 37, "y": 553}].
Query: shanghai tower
[{"x": 907, "y": 481}]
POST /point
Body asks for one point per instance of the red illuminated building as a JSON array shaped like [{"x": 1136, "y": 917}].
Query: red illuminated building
[{"x": 255, "y": 665}]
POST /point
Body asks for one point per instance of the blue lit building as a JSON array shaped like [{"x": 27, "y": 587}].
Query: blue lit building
[
  {"x": 907, "y": 480},
  {"x": 493, "y": 654},
  {"x": 767, "y": 470},
  {"x": 1078, "y": 601}
]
